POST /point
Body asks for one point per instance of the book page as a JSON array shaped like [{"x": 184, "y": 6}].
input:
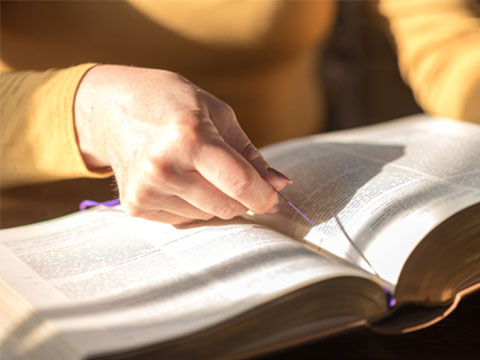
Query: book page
[
  {"x": 382, "y": 187},
  {"x": 111, "y": 282}
]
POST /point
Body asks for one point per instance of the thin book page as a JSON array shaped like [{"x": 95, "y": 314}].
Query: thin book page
[
  {"x": 383, "y": 187},
  {"x": 107, "y": 280}
]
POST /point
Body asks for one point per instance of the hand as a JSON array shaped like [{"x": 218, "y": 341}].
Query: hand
[{"x": 177, "y": 152}]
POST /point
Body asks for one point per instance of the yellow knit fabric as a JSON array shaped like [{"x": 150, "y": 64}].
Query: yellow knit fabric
[
  {"x": 258, "y": 56},
  {"x": 37, "y": 133},
  {"x": 438, "y": 44}
]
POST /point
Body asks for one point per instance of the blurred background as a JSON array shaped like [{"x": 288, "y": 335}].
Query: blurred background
[{"x": 360, "y": 71}]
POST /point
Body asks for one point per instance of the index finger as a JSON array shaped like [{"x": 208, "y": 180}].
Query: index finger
[{"x": 232, "y": 174}]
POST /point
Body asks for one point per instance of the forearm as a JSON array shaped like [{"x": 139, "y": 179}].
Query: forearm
[{"x": 37, "y": 127}]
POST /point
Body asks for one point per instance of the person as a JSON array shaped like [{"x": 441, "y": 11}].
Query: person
[{"x": 177, "y": 152}]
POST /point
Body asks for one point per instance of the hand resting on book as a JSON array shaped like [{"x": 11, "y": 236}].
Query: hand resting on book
[{"x": 177, "y": 152}]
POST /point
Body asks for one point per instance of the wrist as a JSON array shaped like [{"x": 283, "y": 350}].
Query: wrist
[{"x": 88, "y": 125}]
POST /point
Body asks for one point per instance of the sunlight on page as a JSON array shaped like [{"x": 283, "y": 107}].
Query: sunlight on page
[
  {"x": 388, "y": 264},
  {"x": 149, "y": 282},
  {"x": 394, "y": 243},
  {"x": 386, "y": 234},
  {"x": 377, "y": 191},
  {"x": 341, "y": 246}
]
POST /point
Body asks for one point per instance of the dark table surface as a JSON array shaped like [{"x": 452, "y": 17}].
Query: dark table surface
[{"x": 455, "y": 337}]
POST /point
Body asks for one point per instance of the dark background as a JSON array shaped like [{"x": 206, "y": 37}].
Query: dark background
[{"x": 360, "y": 72}]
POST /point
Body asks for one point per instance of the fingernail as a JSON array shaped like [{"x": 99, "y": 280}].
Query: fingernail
[
  {"x": 279, "y": 175},
  {"x": 273, "y": 210}
]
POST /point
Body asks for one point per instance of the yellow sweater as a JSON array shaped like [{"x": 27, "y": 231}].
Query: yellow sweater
[{"x": 258, "y": 56}]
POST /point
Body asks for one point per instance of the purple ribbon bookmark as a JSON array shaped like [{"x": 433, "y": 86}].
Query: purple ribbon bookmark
[
  {"x": 85, "y": 204},
  {"x": 310, "y": 221},
  {"x": 391, "y": 301}
]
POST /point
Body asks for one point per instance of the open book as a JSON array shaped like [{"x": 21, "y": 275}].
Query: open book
[{"x": 396, "y": 245}]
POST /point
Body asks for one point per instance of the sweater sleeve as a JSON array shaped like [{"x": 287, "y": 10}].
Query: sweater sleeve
[
  {"x": 438, "y": 43},
  {"x": 38, "y": 141}
]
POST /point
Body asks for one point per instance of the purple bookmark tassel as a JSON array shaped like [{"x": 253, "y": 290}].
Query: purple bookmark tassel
[
  {"x": 85, "y": 204},
  {"x": 391, "y": 301}
]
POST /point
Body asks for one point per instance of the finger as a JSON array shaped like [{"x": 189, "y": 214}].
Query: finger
[
  {"x": 236, "y": 177},
  {"x": 234, "y": 135},
  {"x": 165, "y": 217},
  {"x": 148, "y": 198},
  {"x": 154, "y": 214},
  {"x": 201, "y": 194},
  {"x": 278, "y": 179},
  {"x": 177, "y": 206},
  {"x": 274, "y": 177},
  {"x": 186, "y": 193}
]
